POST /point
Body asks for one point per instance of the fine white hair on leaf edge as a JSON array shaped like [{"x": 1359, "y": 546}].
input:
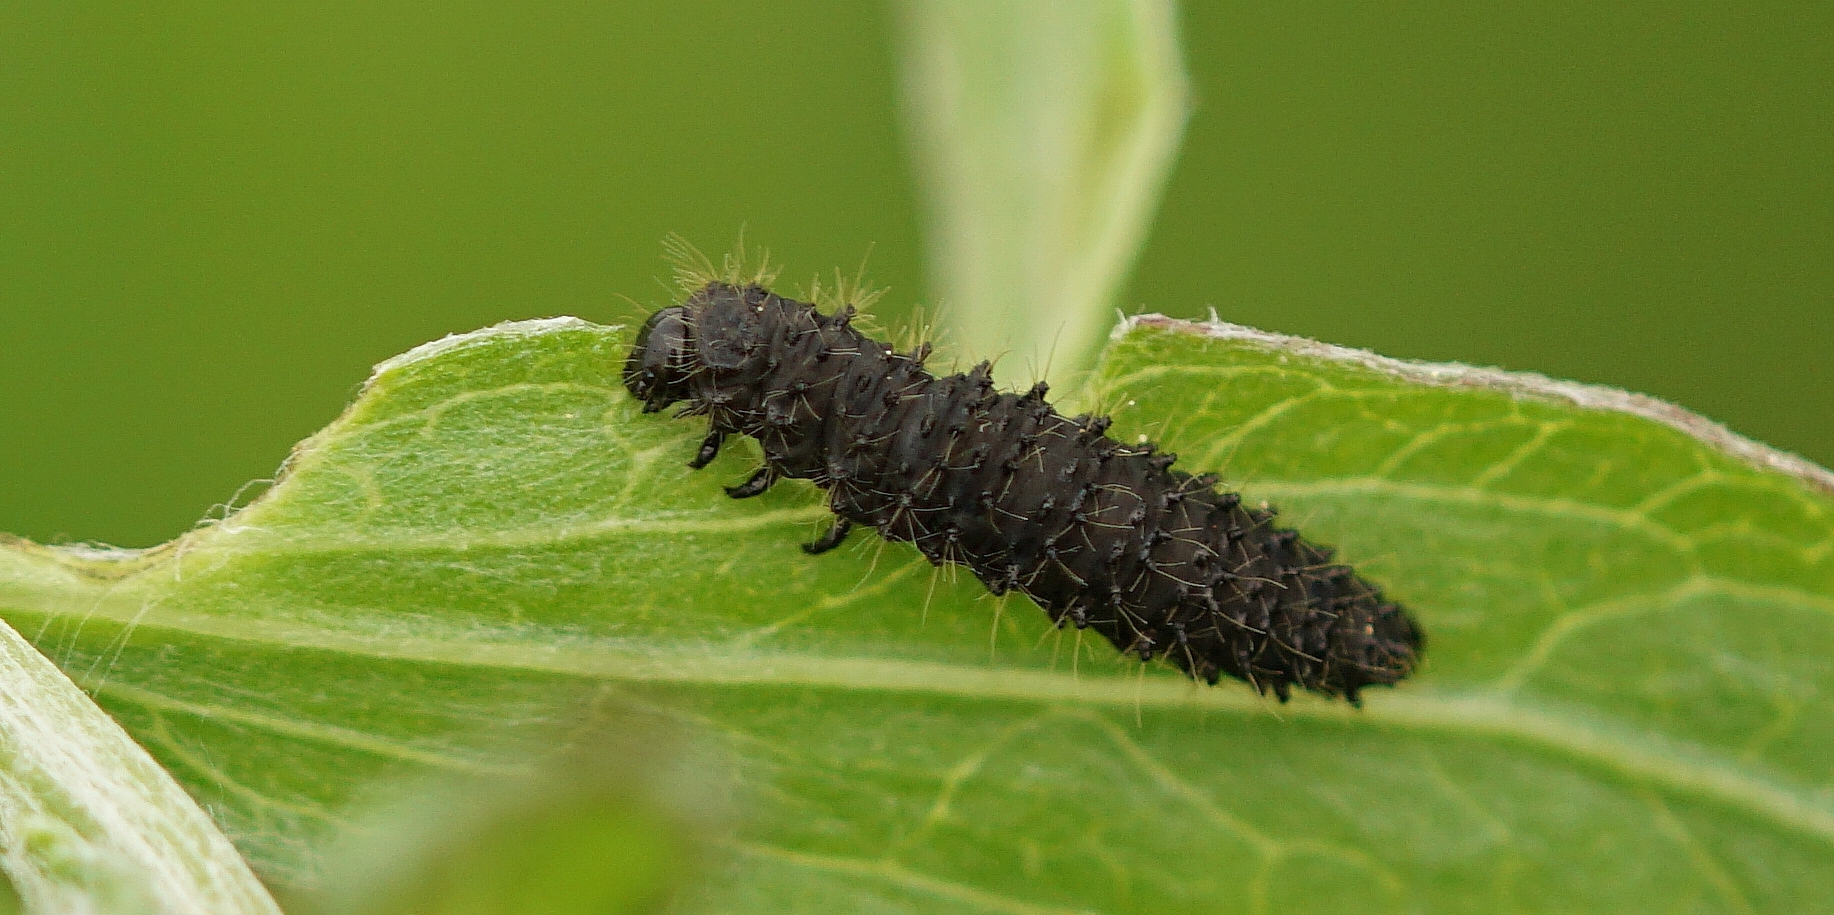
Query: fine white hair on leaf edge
[{"x": 1516, "y": 384}]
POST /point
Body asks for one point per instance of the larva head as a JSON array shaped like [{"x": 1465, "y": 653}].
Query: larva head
[{"x": 662, "y": 360}]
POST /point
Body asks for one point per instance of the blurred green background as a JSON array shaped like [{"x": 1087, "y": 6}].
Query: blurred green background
[{"x": 214, "y": 217}]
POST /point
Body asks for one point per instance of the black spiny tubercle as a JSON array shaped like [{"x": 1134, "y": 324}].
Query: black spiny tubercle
[{"x": 1102, "y": 535}]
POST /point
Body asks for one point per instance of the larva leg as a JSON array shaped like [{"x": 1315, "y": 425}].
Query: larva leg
[
  {"x": 831, "y": 539},
  {"x": 709, "y": 449},
  {"x": 759, "y": 482}
]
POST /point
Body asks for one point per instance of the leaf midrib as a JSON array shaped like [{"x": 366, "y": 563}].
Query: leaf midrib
[
  {"x": 1678, "y": 765},
  {"x": 1499, "y": 713}
]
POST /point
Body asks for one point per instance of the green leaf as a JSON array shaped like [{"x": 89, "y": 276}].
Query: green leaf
[
  {"x": 1043, "y": 130},
  {"x": 1625, "y": 704},
  {"x": 88, "y": 822},
  {"x": 584, "y": 835}
]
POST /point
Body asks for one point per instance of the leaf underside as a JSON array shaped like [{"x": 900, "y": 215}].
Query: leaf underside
[{"x": 1625, "y": 704}]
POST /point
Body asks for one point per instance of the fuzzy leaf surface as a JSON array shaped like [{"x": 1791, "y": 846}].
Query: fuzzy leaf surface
[
  {"x": 1625, "y": 704},
  {"x": 1043, "y": 131}
]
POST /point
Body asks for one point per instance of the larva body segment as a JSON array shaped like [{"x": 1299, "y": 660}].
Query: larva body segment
[{"x": 1100, "y": 534}]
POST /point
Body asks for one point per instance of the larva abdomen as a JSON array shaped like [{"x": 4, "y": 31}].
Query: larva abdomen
[{"x": 1102, "y": 535}]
